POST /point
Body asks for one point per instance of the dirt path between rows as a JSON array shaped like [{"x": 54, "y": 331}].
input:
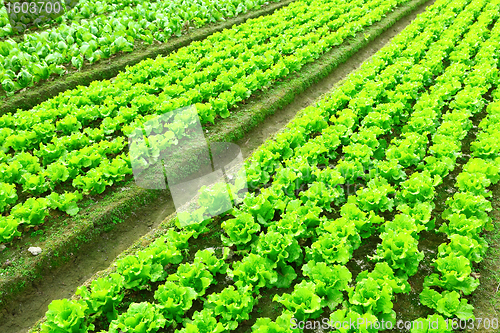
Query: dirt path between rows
[{"x": 96, "y": 256}]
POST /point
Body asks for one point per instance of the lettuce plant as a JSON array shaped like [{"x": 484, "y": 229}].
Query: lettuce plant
[
  {"x": 104, "y": 295},
  {"x": 455, "y": 275},
  {"x": 342, "y": 228},
  {"x": 330, "y": 282},
  {"x": 420, "y": 212},
  {"x": 418, "y": 188},
  {"x": 391, "y": 170},
  {"x": 432, "y": 324},
  {"x": 375, "y": 197},
  {"x": 8, "y": 195},
  {"x": 473, "y": 249},
  {"x": 384, "y": 274},
  {"x": 254, "y": 270},
  {"x": 212, "y": 263},
  {"x": 215, "y": 199},
  {"x": 364, "y": 221},
  {"x": 303, "y": 301},
  {"x": 232, "y": 305},
  {"x": 240, "y": 230},
  {"x": 174, "y": 300},
  {"x": 195, "y": 276},
  {"x": 367, "y": 321},
  {"x": 280, "y": 249},
  {"x": 8, "y": 228},
  {"x": 400, "y": 250},
  {"x": 31, "y": 212},
  {"x": 369, "y": 296},
  {"x": 65, "y": 202},
  {"x": 280, "y": 325},
  {"x": 322, "y": 195},
  {"x": 66, "y": 316},
  {"x": 468, "y": 204},
  {"x": 404, "y": 222},
  {"x": 139, "y": 270},
  {"x": 204, "y": 321},
  {"x": 139, "y": 318},
  {"x": 461, "y": 225},
  {"x": 447, "y": 303},
  {"x": 330, "y": 249}
]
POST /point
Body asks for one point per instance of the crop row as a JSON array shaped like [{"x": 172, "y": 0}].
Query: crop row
[
  {"x": 69, "y": 140},
  {"x": 80, "y": 10},
  {"x": 300, "y": 180},
  {"x": 40, "y": 54}
]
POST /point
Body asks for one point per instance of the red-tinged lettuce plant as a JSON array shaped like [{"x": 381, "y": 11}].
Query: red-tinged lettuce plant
[
  {"x": 139, "y": 318},
  {"x": 174, "y": 301},
  {"x": 375, "y": 197},
  {"x": 455, "y": 275},
  {"x": 254, "y": 270},
  {"x": 431, "y": 324},
  {"x": 104, "y": 295},
  {"x": 400, "y": 250},
  {"x": 66, "y": 316},
  {"x": 32, "y": 212},
  {"x": 8, "y": 195},
  {"x": 303, "y": 302},
  {"x": 240, "y": 230},
  {"x": 203, "y": 321},
  {"x": 367, "y": 321},
  {"x": 469, "y": 205},
  {"x": 8, "y": 228},
  {"x": 195, "y": 276},
  {"x": 232, "y": 305},
  {"x": 330, "y": 282},
  {"x": 473, "y": 249},
  {"x": 447, "y": 303}
]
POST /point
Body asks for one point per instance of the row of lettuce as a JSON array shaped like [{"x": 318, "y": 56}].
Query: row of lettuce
[
  {"x": 77, "y": 139},
  {"x": 406, "y": 91},
  {"x": 41, "y": 54},
  {"x": 71, "y": 10}
]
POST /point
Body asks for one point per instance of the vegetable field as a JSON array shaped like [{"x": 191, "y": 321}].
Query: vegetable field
[{"x": 372, "y": 210}]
